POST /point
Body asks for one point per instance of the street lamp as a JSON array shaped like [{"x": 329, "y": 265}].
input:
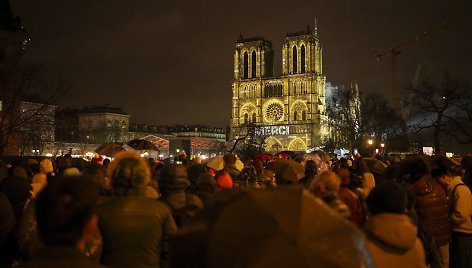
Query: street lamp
[{"x": 370, "y": 142}]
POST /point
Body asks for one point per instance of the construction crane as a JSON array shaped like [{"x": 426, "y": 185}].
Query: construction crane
[{"x": 396, "y": 50}]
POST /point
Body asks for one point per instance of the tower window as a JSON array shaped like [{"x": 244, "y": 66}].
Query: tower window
[
  {"x": 246, "y": 66},
  {"x": 254, "y": 117},
  {"x": 304, "y": 115},
  {"x": 295, "y": 116},
  {"x": 302, "y": 59},
  {"x": 295, "y": 60},
  {"x": 246, "y": 118},
  {"x": 254, "y": 64}
]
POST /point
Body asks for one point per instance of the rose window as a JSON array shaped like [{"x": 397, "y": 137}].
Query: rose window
[{"x": 274, "y": 112}]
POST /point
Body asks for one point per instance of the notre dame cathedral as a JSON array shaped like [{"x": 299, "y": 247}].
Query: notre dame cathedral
[{"x": 289, "y": 110}]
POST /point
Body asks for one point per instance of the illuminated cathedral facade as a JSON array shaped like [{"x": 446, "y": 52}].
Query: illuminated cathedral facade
[{"x": 289, "y": 110}]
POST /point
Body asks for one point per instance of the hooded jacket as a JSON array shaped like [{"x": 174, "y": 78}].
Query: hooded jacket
[
  {"x": 393, "y": 242},
  {"x": 461, "y": 206},
  {"x": 432, "y": 209}
]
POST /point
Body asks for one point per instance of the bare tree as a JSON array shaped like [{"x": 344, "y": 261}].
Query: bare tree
[
  {"x": 437, "y": 105},
  {"x": 344, "y": 118},
  {"x": 19, "y": 84}
]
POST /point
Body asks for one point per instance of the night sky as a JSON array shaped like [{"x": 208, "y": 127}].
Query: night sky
[{"x": 170, "y": 62}]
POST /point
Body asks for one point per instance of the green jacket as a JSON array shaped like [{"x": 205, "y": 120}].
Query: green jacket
[{"x": 135, "y": 231}]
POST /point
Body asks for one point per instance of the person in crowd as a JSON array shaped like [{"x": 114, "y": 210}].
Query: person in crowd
[
  {"x": 173, "y": 183},
  {"x": 391, "y": 235},
  {"x": 368, "y": 180},
  {"x": 229, "y": 161},
  {"x": 206, "y": 188},
  {"x": 326, "y": 186},
  {"x": 350, "y": 198},
  {"x": 460, "y": 213},
  {"x": 310, "y": 173},
  {"x": 40, "y": 179},
  {"x": 466, "y": 164},
  {"x": 67, "y": 221},
  {"x": 431, "y": 206},
  {"x": 7, "y": 222},
  {"x": 135, "y": 229}
]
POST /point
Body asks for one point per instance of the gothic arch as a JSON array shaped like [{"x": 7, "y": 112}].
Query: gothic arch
[
  {"x": 297, "y": 144},
  {"x": 273, "y": 144},
  {"x": 299, "y": 110},
  {"x": 246, "y": 112},
  {"x": 295, "y": 59}
]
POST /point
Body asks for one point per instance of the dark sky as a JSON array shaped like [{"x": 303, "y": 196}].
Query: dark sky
[{"x": 169, "y": 62}]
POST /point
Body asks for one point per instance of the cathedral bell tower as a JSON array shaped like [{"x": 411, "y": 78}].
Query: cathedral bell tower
[{"x": 253, "y": 58}]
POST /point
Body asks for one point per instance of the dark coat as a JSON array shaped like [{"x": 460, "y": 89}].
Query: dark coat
[
  {"x": 135, "y": 231},
  {"x": 432, "y": 209},
  {"x": 58, "y": 257}
]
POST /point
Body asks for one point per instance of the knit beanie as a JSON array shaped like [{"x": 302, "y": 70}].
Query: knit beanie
[
  {"x": 173, "y": 177},
  {"x": 387, "y": 197}
]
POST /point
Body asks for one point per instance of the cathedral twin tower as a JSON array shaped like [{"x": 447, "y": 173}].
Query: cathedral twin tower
[{"x": 288, "y": 110}]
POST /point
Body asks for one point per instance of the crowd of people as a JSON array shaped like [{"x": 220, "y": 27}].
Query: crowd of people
[{"x": 125, "y": 212}]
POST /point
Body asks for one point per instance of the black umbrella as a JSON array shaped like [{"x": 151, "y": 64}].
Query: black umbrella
[
  {"x": 110, "y": 149},
  {"x": 139, "y": 144}
]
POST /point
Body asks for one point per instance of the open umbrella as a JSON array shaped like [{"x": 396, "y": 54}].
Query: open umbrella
[
  {"x": 376, "y": 166},
  {"x": 217, "y": 163},
  {"x": 286, "y": 227},
  {"x": 140, "y": 144},
  {"x": 110, "y": 149},
  {"x": 286, "y": 170},
  {"x": 264, "y": 157}
]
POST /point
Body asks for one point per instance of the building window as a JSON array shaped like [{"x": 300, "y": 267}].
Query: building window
[
  {"x": 246, "y": 118},
  {"x": 295, "y": 66},
  {"x": 302, "y": 59},
  {"x": 246, "y": 65},
  {"x": 254, "y": 117},
  {"x": 254, "y": 63},
  {"x": 304, "y": 115},
  {"x": 295, "y": 116}
]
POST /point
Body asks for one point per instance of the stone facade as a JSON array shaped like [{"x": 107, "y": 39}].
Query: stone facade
[{"x": 288, "y": 110}]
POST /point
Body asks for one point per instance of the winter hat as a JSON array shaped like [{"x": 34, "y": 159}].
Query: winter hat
[
  {"x": 173, "y": 177},
  {"x": 415, "y": 167},
  {"x": 128, "y": 173},
  {"x": 46, "y": 166},
  {"x": 19, "y": 172},
  {"x": 195, "y": 171},
  {"x": 224, "y": 181},
  {"x": 388, "y": 197}
]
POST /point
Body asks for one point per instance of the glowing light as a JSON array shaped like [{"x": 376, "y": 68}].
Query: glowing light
[{"x": 370, "y": 142}]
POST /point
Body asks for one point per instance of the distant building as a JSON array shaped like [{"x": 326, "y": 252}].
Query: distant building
[{"x": 289, "y": 110}]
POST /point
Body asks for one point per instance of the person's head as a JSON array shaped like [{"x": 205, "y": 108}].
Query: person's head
[
  {"x": 129, "y": 174},
  {"x": 310, "y": 168},
  {"x": 66, "y": 212},
  {"x": 106, "y": 162},
  {"x": 326, "y": 183},
  {"x": 45, "y": 166},
  {"x": 173, "y": 177},
  {"x": 387, "y": 197},
  {"x": 444, "y": 170},
  {"x": 229, "y": 158},
  {"x": 343, "y": 173}
]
